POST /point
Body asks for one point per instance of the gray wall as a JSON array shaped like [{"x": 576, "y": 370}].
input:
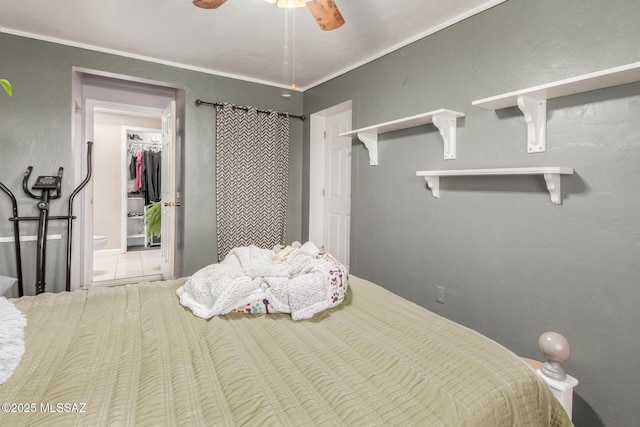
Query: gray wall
[
  {"x": 513, "y": 265},
  {"x": 35, "y": 129}
]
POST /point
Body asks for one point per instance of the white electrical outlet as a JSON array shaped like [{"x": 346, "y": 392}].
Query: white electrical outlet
[{"x": 440, "y": 294}]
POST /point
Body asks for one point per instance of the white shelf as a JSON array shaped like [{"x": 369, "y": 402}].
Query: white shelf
[
  {"x": 533, "y": 101},
  {"x": 551, "y": 176},
  {"x": 445, "y": 120},
  {"x": 607, "y": 78},
  {"x": 134, "y": 223}
]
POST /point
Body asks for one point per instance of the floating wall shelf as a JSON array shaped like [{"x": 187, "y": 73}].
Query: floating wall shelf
[
  {"x": 444, "y": 120},
  {"x": 533, "y": 101},
  {"x": 551, "y": 177}
]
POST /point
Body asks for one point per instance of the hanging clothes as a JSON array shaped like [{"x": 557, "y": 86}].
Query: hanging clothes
[
  {"x": 151, "y": 163},
  {"x": 144, "y": 169},
  {"x": 138, "y": 184},
  {"x": 132, "y": 167}
]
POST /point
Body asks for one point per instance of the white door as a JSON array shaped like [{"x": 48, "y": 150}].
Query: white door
[
  {"x": 337, "y": 187},
  {"x": 168, "y": 169}
]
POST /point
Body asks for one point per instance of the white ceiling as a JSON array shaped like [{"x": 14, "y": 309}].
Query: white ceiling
[{"x": 243, "y": 39}]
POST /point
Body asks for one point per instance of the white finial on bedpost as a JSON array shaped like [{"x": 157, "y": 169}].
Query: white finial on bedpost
[{"x": 557, "y": 350}]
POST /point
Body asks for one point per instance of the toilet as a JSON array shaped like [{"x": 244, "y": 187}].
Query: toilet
[{"x": 99, "y": 242}]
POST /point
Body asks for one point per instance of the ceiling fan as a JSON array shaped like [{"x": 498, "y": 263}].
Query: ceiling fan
[{"x": 325, "y": 12}]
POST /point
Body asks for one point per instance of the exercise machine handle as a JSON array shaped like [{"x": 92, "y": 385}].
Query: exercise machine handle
[
  {"x": 25, "y": 183},
  {"x": 86, "y": 179},
  {"x": 58, "y": 184},
  {"x": 16, "y": 231}
]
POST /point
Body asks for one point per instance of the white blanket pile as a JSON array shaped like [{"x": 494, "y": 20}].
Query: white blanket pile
[
  {"x": 12, "y": 324},
  {"x": 295, "y": 285}
]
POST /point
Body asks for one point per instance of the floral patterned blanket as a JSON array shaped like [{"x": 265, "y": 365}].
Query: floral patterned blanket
[{"x": 254, "y": 280}]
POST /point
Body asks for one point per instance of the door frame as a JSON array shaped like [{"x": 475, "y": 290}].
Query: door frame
[
  {"x": 317, "y": 177},
  {"x": 169, "y": 195},
  {"x": 82, "y": 126},
  {"x": 91, "y": 106}
]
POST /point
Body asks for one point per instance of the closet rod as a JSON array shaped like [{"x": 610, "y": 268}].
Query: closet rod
[
  {"x": 199, "y": 102},
  {"x": 144, "y": 142}
]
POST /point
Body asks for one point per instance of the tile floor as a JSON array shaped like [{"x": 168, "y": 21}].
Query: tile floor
[{"x": 121, "y": 266}]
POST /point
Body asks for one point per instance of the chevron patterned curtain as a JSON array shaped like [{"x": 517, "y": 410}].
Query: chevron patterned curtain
[{"x": 252, "y": 171}]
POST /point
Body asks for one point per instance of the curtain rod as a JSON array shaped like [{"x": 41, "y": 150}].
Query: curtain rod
[{"x": 199, "y": 102}]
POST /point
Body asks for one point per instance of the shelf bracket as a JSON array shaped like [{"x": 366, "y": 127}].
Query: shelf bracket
[
  {"x": 434, "y": 184},
  {"x": 553, "y": 185},
  {"x": 370, "y": 141},
  {"x": 446, "y": 124},
  {"x": 535, "y": 115}
]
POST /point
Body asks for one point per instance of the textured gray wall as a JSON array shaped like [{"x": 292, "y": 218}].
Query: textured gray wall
[
  {"x": 513, "y": 265},
  {"x": 35, "y": 129}
]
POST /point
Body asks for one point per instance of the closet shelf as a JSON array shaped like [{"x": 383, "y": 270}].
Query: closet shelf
[
  {"x": 551, "y": 174},
  {"x": 443, "y": 119},
  {"x": 533, "y": 101}
]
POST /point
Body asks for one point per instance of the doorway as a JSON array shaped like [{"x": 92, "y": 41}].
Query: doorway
[
  {"x": 330, "y": 181},
  {"x": 138, "y": 105},
  {"x": 126, "y": 183}
]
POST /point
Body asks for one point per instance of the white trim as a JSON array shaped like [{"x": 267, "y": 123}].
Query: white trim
[
  {"x": 122, "y": 108},
  {"x": 85, "y": 266},
  {"x": 30, "y": 238},
  {"x": 125, "y": 77},
  {"x": 316, "y": 178},
  {"x": 489, "y": 4},
  {"x": 140, "y": 57},
  {"x": 316, "y": 168}
]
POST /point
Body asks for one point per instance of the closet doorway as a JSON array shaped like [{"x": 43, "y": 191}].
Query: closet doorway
[{"x": 126, "y": 185}]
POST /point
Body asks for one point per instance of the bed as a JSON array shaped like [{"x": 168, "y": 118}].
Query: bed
[{"x": 132, "y": 355}]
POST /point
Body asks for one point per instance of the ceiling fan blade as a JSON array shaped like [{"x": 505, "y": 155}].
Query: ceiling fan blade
[
  {"x": 326, "y": 14},
  {"x": 209, "y": 4}
]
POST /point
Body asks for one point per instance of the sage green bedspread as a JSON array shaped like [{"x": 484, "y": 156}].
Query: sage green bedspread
[{"x": 133, "y": 356}]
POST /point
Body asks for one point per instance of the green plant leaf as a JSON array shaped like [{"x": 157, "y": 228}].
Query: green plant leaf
[
  {"x": 152, "y": 218},
  {"x": 6, "y": 86}
]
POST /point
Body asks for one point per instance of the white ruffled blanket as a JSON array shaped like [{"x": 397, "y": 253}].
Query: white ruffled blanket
[
  {"x": 12, "y": 324},
  {"x": 295, "y": 285}
]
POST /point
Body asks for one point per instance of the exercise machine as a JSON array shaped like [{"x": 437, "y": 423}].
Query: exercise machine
[{"x": 50, "y": 189}]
